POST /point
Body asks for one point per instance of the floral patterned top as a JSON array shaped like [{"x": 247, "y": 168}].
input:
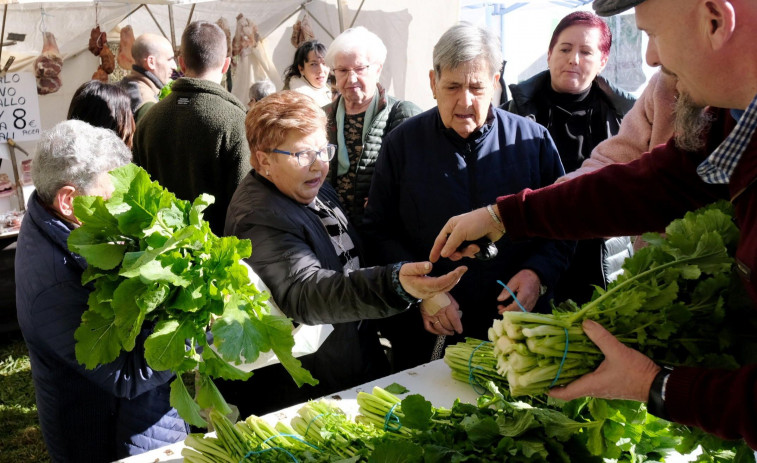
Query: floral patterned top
[{"x": 353, "y": 138}]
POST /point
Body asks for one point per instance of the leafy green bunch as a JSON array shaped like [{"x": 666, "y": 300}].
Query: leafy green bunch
[
  {"x": 390, "y": 430},
  {"x": 678, "y": 302},
  {"x": 158, "y": 271},
  {"x": 669, "y": 303},
  {"x": 494, "y": 429}
]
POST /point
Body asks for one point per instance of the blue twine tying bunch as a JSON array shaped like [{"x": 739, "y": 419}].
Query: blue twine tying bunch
[
  {"x": 311, "y": 422},
  {"x": 523, "y": 309},
  {"x": 262, "y": 451},
  {"x": 478, "y": 388},
  {"x": 565, "y": 352},
  {"x": 392, "y": 418},
  {"x": 562, "y": 362}
]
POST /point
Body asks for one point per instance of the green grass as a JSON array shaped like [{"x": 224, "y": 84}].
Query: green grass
[{"x": 20, "y": 436}]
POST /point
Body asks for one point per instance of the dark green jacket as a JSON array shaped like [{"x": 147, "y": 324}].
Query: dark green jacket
[
  {"x": 193, "y": 141},
  {"x": 390, "y": 113}
]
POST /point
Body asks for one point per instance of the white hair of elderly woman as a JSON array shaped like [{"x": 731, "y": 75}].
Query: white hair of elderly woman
[
  {"x": 465, "y": 42},
  {"x": 261, "y": 89},
  {"x": 75, "y": 153},
  {"x": 354, "y": 40}
]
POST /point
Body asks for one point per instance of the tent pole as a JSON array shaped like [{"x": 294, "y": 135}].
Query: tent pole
[
  {"x": 19, "y": 188},
  {"x": 2, "y": 34},
  {"x": 357, "y": 13},
  {"x": 173, "y": 31},
  {"x": 191, "y": 12},
  {"x": 301, "y": 7},
  {"x": 155, "y": 20},
  {"x": 132, "y": 12},
  {"x": 340, "y": 4},
  {"x": 316, "y": 20}
]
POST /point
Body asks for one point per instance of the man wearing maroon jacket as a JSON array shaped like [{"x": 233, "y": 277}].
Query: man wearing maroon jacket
[{"x": 709, "y": 46}]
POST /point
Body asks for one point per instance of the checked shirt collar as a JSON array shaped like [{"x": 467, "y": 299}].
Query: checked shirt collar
[{"x": 719, "y": 166}]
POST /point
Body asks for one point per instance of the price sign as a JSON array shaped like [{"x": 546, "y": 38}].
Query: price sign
[{"x": 19, "y": 107}]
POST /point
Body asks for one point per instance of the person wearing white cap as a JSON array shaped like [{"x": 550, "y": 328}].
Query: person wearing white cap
[{"x": 709, "y": 46}]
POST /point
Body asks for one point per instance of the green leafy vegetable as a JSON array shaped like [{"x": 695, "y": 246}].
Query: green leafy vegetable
[
  {"x": 395, "y": 388},
  {"x": 669, "y": 303},
  {"x": 161, "y": 276},
  {"x": 677, "y": 301},
  {"x": 322, "y": 433}
]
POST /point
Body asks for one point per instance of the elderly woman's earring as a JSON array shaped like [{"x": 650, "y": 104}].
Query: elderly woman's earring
[{"x": 268, "y": 173}]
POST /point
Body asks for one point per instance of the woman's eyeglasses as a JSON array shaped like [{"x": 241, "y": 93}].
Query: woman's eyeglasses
[
  {"x": 306, "y": 158},
  {"x": 341, "y": 73}
]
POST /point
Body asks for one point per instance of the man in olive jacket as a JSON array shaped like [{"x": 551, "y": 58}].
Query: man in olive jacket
[{"x": 193, "y": 141}]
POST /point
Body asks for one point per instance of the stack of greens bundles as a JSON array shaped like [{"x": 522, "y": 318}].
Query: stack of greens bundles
[
  {"x": 320, "y": 432},
  {"x": 677, "y": 302},
  {"x": 155, "y": 265},
  {"x": 390, "y": 430}
]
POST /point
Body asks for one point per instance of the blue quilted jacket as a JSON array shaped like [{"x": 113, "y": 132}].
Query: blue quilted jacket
[{"x": 113, "y": 411}]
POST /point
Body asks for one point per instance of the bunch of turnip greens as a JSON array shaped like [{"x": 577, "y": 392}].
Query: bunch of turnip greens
[
  {"x": 669, "y": 303},
  {"x": 158, "y": 271},
  {"x": 678, "y": 301},
  {"x": 390, "y": 430},
  {"x": 624, "y": 431}
]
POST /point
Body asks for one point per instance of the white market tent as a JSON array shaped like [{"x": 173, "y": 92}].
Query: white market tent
[
  {"x": 409, "y": 28},
  {"x": 395, "y": 21}
]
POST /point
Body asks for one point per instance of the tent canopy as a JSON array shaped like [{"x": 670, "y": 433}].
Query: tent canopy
[{"x": 70, "y": 21}]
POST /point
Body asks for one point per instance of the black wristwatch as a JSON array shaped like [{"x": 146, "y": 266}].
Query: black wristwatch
[{"x": 656, "y": 400}]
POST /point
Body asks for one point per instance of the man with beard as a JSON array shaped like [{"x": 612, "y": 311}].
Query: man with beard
[{"x": 709, "y": 46}]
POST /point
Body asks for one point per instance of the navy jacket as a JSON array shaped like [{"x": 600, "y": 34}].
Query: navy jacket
[
  {"x": 427, "y": 174},
  {"x": 99, "y": 415}
]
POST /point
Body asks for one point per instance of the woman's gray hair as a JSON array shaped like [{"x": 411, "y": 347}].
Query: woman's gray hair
[
  {"x": 261, "y": 89},
  {"x": 75, "y": 153},
  {"x": 354, "y": 40},
  {"x": 465, "y": 42}
]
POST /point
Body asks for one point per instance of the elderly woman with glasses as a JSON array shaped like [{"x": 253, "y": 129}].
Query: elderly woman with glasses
[
  {"x": 451, "y": 159},
  {"x": 308, "y": 255},
  {"x": 361, "y": 116}
]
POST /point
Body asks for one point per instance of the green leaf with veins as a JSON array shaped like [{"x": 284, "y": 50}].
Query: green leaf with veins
[
  {"x": 184, "y": 404},
  {"x": 129, "y": 316},
  {"x": 97, "y": 253},
  {"x": 417, "y": 412},
  {"x": 97, "y": 340},
  {"x": 208, "y": 395},
  {"x": 165, "y": 347},
  {"x": 240, "y": 337},
  {"x": 91, "y": 210},
  {"x": 213, "y": 365}
]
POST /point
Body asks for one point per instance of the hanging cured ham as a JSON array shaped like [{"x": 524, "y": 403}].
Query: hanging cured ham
[
  {"x": 246, "y": 36},
  {"x": 107, "y": 59},
  {"x": 48, "y": 65},
  {"x": 96, "y": 40},
  {"x": 98, "y": 45},
  {"x": 301, "y": 32},
  {"x": 125, "y": 59}
]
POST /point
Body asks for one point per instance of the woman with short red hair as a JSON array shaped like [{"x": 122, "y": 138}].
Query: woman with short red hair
[{"x": 308, "y": 254}]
